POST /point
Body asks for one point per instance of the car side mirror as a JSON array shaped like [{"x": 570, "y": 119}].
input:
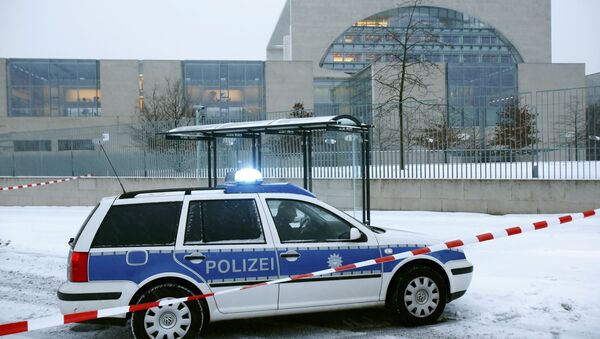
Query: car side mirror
[{"x": 355, "y": 234}]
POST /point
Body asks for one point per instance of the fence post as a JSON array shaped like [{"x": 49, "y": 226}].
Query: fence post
[{"x": 14, "y": 163}]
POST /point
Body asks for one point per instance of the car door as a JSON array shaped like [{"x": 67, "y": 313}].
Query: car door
[
  {"x": 226, "y": 244},
  {"x": 327, "y": 246}
]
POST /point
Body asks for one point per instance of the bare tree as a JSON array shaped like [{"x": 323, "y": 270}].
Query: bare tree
[
  {"x": 401, "y": 77},
  {"x": 593, "y": 130},
  {"x": 570, "y": 131},
  {"x": 165, "y": 108},
  {"x": 436, "y": 132}
]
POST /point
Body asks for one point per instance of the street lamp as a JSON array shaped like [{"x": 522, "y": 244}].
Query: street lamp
[{"x": 200, "y": 113}]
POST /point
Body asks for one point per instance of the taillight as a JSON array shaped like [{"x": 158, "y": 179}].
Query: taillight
[{"x": 78, "y": 267}]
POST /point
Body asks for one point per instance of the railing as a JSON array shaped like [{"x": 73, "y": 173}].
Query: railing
[{"x": 561, "y": 140}]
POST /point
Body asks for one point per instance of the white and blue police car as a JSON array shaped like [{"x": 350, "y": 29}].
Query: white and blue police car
[{"x": 154, "y": 245}]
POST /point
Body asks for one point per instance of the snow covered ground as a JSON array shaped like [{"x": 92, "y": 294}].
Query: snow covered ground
[{"x": 538, "y": 285}]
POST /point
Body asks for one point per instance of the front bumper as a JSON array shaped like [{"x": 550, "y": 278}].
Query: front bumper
[
  {"x": 89, "y": 296},
  {"x": 460, "y": 274}
]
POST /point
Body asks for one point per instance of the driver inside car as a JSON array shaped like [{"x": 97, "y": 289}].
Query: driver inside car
[{"x": 286, "y": 213}]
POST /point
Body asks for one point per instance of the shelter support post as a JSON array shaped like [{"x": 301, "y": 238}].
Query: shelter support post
[
  {"x": 366, "y": 174},
  {"x": 310, "y": 163},
  {"x": 209, "y": 161},
  {"x": 214, "y": 150},
  {"x": 305, "y": 160},
  {"x": 259, "y": 153}
]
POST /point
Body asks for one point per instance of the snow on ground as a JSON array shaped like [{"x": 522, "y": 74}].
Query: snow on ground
[{"x": 538, "y": 285}]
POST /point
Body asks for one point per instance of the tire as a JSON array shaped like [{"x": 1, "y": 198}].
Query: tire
[
  {"x": 184, "y": 320},
  {"x": 419, "y": 295}
]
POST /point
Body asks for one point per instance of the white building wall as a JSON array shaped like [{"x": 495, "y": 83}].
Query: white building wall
[
  {"x": 119, "y": 87},
  {"x": 288, "y": 82}
]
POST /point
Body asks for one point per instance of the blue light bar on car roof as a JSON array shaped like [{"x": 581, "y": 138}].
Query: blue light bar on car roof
[
  {"x": 268, "y": 188},
  {"x": 247, "y": 176}
]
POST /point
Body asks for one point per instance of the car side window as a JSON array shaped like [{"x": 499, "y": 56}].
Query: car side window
[
  {"x": 299, "y": 221},
  {"x": 223, "y": 221},
  {"x": 153, "y": 224}
]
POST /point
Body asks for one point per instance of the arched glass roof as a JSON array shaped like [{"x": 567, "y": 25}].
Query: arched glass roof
[
  {"x": 450, "y": 37},
  {"x": 481, "y": 63}
]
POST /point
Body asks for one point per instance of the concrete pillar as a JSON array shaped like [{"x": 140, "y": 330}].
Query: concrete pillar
[{"x": 3, "y": 89}]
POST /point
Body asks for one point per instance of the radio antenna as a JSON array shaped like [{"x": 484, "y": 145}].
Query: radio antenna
[{"x": 105, "y": 137}]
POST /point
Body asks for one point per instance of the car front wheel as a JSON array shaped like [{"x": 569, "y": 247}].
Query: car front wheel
[
  {"x": 419, "y": 295},
  {"x": 182, "y": 320}
]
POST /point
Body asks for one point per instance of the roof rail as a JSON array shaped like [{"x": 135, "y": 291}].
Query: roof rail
[{"x": 187, "y": 190}]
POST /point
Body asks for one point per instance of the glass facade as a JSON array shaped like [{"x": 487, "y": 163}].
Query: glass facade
[
  {"x": 230, "y": 90},
  {"x": 481, "y": 72},
  {"x": 53, "y": 88},
  {"x": 325, "y": 101}
]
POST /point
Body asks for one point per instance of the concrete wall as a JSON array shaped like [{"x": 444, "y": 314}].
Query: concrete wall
[
  {"x": 315, "y": 24},
  {"x": 157, "y": 71},
  {"x": 119, "y": 86},
  {"x": 593, "y": 79},
  {"x": 282, "y": 28},
  {"x": 483, "y": 196},
  {"x": 554, "y": 107},
  {"x": 3, "y": 89},
  {"x": 540, "y": 77},
  {"x": 288, "y": 83}
]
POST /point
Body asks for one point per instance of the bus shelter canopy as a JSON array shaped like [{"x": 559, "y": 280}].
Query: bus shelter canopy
[{"x": 292, "y": 126}]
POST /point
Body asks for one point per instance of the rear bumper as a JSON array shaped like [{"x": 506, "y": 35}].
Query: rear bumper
[{"x": 89, "y": 296}]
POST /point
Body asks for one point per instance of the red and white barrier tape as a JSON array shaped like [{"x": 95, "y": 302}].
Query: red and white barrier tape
[
  {"x": 35, "y": 324},
  {"x": 11, "y": 188}
]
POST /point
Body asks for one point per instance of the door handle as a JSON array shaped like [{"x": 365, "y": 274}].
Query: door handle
[
  {"x": 195, "y": 258},
  {"x": 290, "y": 256}
]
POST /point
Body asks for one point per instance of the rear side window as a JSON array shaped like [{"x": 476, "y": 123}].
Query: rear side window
[
  {"x": 83, "y": 226},
  {"x": 139, "y": 225},
  {"x": 223, "y": 221}
]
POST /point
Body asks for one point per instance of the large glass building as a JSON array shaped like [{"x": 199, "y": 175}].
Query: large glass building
[{"x": 481, "y": 63}]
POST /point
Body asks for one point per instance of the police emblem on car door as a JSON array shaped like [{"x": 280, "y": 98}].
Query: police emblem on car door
[
  {"x": 224, "y": 243},
  {"x": 312, "y": 238}
]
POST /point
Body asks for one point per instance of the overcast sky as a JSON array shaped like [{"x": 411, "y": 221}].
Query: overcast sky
[{"x": 209, "y": 30}]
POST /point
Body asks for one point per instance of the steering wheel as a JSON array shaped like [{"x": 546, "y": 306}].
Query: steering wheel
[{"x": 305, "y": 226}]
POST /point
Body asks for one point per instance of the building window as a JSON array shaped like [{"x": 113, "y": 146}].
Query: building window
[
  {"x": 75, "y": 145},
  {"x": 32, "y": 145},
  {"x": 229, "y": 90},
  {"x": 51, "y": 88}
]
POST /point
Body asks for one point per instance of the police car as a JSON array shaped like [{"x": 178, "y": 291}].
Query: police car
[{"x": 154, "y": 245}]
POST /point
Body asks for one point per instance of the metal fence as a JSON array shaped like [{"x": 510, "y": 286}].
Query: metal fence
[{"x": 545, "y": 135}]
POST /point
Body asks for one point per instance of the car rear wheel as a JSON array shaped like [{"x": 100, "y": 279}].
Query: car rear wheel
[
  {"x": 182, "y": 320},
  {"x": 419, "y": 295}
]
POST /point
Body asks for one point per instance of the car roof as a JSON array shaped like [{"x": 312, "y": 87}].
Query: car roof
[{"x": 227, "y": 189}]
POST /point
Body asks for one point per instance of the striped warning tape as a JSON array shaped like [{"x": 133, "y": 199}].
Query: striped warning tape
[
  {"x": 11, "y": 188},
  {"x": 35, "y": 324}
]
